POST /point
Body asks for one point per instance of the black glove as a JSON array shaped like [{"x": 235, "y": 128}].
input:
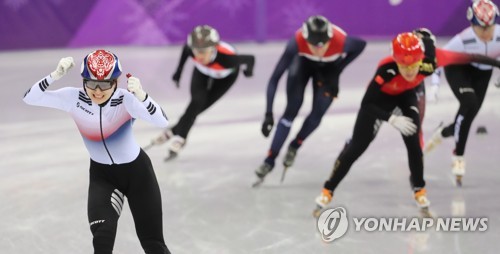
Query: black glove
[
  {"x": 248, "y": 73},
  {"x": 425, "y": 33},
  {"x": 267, "y": 125},
  {"x": 332, "y": 90},
  {"x": 176, "y": 77}
]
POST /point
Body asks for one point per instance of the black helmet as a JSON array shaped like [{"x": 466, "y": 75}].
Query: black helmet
[
  {"x": 203, "y": 37},
  {"x": 317, "y": 30}
]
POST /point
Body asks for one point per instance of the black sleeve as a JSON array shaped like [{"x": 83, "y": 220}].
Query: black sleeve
[
  {"x": 291, "y": 50},
  {"x": 447, "y": 57},
  {"x": 429, "y": 64},
  {"x": 186, "y": 52},
  {"x": 370, "y": 101},
  {"x": 353, "y": 47},
  {"x": 482, "y": 59},
  {"x": 374, "y": 95},
  {"x": 234, "y": 61}
]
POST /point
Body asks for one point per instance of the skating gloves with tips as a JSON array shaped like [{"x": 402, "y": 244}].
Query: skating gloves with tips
[
  {"x": 134, "y": 86},
  {"x": 63, "y": 67},
  {"x": 268, "y": 124},
  {"x": 404, "y": 124}
]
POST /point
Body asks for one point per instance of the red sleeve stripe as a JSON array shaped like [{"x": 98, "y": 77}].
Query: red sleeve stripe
[{"x": 225, "y": 48}]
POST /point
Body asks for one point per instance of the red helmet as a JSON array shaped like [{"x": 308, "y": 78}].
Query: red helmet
[{"x": 407, "y": 49}]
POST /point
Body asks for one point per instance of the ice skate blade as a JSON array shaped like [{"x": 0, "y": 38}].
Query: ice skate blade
[
  {"x": 147, "y": 147},
  {"x": 170, "y": 156},
  {"x": 283, "y": 174},
  {"x": 317, "y": 211},
  {"x": 258, "y": 183},
  {"x": 458, "y": 181},
  {"x": 426, "y": 213}
]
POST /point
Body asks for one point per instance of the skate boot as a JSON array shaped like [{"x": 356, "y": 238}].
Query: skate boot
[
  {"x": 422, "y": 202},
  {"x": 322, "y": 201},
  {"x": 160, "y": 139},
  {"x": 458, "y": 168},
  {"x": 435, "y": 140},
  {"x": 288, "y": 160},
  {"x": 175, "y": 147},
  {"x": 421, "y": 198},
  {"x": 261, "y": 173},
  {"x": 290, "y": 156}
]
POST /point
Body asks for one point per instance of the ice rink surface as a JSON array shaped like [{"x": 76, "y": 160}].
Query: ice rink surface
[{"x": 208, "y": 204}]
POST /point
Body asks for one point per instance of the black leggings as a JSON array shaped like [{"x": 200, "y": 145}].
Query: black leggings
[
  {"x": 365, "y": 130},
  {"x": 325, "y": 79},
  {"x": 469, "y": 84},
  {"x": 109, "y": 185},
  {"x": 205, "y": 91}
]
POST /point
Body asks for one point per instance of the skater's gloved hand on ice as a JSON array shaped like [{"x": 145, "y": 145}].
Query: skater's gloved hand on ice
[
  {"x": 267, "y": 125},
  {"x": 404, "y": 124},
  {"x": 134, "y": 86},
  {"x": 64, "y": 65},
  {"x": 176, "y": 77},
  {"x": 331, "y": 90}
]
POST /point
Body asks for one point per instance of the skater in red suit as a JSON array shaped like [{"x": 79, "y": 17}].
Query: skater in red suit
[
  {"x": 217, "y": 66},
  {"x": 319, "y": 51}
]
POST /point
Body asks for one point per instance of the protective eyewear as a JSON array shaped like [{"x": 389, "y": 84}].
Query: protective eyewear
[
  {"x": 410, "y": 67},
  {"x": 103, "y": 85}
]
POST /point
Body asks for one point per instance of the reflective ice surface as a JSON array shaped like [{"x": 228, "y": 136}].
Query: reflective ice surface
[{"x": 208, "y": 204}]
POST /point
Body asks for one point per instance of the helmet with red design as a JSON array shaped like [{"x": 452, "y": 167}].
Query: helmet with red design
[
  {"x": 482, "y": 13},
  {"x": 101, "y": 65},
  {"x": 407, "y": 49}
]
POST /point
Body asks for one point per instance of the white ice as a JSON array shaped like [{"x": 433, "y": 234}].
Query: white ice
[{"x": 208, "y": 204}]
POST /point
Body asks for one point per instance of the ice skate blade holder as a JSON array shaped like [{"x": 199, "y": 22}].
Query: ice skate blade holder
[{"x": 458, "y": 181}]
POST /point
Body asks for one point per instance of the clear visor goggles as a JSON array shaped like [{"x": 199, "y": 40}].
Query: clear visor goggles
[{"x": 103, "y": 85}]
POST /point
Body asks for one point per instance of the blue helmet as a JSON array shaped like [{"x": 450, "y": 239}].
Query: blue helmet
[
  {"x": 482, "y": 13},
  {"x": 101, "y": 65}
]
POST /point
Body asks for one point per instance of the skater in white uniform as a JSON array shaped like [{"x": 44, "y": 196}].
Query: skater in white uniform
[
  {"x": 469, "y": 82},
  {"x": 119, "y": 168}
]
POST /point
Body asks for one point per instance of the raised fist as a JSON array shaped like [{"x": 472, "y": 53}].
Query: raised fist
[{"x": 62, "y": 68}]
